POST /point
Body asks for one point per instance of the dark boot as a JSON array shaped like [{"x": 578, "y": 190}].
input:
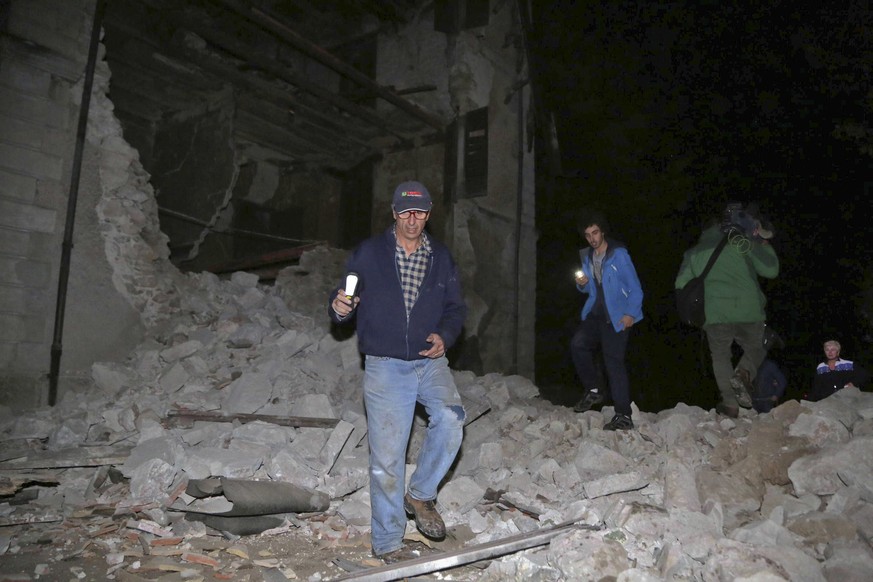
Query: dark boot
[
  {"x": 427, "y": 518},
  {"x": 590, "y": 399},
  {"x": 727, "y": 410},
  {"x": 741, "y": 383}
]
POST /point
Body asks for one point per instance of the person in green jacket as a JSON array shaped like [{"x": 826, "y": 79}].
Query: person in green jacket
[{"x": 734, "y": 302}]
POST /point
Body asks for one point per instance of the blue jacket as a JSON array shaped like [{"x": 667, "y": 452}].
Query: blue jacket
[
  {"x": 621, "y": 286},
  {"x": 382, "y": 326}
]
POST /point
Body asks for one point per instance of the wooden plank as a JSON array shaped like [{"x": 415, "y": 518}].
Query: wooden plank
[
  {"x": 12, "y": 481},
  {"x": 19, "y": 518},
  {"x": 282, "y": 257},
  {"x": 188, "y": 418},
  {"x": 73, "y": 457}
]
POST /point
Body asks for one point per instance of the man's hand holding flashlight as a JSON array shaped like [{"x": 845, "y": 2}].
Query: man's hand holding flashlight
[{"x": 342, "y": 304}]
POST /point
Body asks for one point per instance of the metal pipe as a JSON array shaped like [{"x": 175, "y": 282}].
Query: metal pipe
[
  {"x": 67, "y": 245},
  {"x": 442, "y": 561},
  {"x": 519, "y": 204}
]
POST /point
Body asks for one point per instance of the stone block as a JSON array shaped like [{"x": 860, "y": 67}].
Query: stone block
[
  {"x": 36, "y": 109},
  {"x": 26, "y": 216},
  {"x": 13, "y": 242},
  {"x": 17, "y": 186},
  {"x": 28, "y": 273},
  {"x": 15, "y": 299},
  {"x": 617, "y": 483},
  {"x": 32, "y": 162},
  {"x": 16, "y": 327},
  {"x": 20, "y": 132},
  {"x": 20, "y": 391},
  {"x": 335, "y": 444},
  {"x": 33, "y": 355},
  {"x": 7, "y": 354},
  {"x": 49, "y": 25},
  {"x": 18, "y": 74}
]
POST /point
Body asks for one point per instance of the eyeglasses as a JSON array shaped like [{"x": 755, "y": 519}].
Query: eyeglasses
[{"x": 416, "y": 213}]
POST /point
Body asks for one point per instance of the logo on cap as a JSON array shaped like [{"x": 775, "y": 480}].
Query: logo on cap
[{"x": 413, "y": 193}]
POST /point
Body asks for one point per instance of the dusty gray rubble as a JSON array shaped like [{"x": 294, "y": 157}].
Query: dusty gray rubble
[{"x": 687, "y": 495}]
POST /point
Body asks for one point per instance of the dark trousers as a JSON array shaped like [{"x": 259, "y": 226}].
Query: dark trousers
[
  {"x": 721, "y": 336},
  {"x": 596, "y": 332}
]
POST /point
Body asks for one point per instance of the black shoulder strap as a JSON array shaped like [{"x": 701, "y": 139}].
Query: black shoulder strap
[{"x": 714, "y": 256}]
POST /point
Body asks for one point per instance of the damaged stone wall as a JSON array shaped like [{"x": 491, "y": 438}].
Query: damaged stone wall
[
  {"x": 116, "y": 283},
  {"x": 105, "y": 318}
]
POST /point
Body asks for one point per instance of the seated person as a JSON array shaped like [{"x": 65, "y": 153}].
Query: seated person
[{"x": 836, "y": 373}]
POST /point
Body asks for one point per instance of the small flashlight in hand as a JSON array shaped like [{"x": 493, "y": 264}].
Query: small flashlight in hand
[
  {"x": 351, "y": 286},
  {"x": 579, "y": 274}
]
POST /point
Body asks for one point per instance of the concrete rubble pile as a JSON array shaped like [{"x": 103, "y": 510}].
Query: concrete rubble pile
[{"x": 687, "y": 495}]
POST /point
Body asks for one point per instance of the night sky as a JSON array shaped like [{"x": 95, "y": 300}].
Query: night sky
[{"x": 665, "y": 112}]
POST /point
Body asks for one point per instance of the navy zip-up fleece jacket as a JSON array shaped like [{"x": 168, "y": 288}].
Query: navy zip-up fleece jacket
[{"x": 382, "y": 326}]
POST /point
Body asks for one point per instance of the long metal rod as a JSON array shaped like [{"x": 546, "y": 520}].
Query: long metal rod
[
  {"x": 67, "y": 245},
  {"x": 427, "y": 564}
]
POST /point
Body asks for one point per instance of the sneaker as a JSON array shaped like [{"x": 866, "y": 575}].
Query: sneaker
[
  {"x": 727, "y": 410},
  {"x": 590, "y": 399},
  {"x": 619, "y": 422},
  {"x": 741, "y": 384},
  {"x": 427, "y": 518}
]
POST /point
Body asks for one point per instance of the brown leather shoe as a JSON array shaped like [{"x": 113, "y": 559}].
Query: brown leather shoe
[
  {"x": 427, "y": 519},
  {"x": 406, "y": 552}
]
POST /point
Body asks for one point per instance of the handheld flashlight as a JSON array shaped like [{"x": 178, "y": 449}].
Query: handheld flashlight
[
  {"x": 351, "y": 285},
  {"x": 579, "y": 274}
]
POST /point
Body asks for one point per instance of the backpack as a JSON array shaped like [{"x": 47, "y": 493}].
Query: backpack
[
  {"x": 690, "y": 298},
  {"x": 690, "y": 303}
]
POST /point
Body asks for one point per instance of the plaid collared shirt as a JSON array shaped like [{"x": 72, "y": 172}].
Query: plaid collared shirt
[{"x": 412, "y": 269}]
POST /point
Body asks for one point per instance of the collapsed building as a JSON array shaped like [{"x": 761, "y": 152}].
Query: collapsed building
[
  {"x": 240, "y": 419},
  {"x": 220, "y": 135},
  {"x": 200, "y": 409}
]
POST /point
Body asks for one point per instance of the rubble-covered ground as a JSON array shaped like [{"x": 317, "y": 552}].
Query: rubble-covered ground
[{"x": 132, "y": 477}]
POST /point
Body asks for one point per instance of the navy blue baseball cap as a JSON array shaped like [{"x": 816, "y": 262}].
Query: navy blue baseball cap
[{"x": 411, "y": 195}]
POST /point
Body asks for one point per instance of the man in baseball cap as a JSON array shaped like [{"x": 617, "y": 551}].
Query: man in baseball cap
[{"x": 408, "y": 310}]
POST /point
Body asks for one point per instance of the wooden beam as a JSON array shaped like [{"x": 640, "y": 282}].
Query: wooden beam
[
  {"x": 187, "y": 418},
  {"x": 282, "y": 257},
  {"x": 12, "y": 481},
  {"x": 73, "y": 457},
  {"x": 259, "y": 61},
  {"x": 319, "y": 54}
]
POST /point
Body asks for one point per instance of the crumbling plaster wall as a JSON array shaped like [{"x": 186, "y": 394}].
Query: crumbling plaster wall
[
  {"x": 121, "y": 280},
  {"x": 474, "y": 69}
]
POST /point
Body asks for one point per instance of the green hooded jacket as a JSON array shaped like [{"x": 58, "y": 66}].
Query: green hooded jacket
[{"x": 731, "y": 291}]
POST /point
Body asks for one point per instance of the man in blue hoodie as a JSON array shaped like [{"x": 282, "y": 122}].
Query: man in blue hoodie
[
  {"x": 409, "y": 310},
  {"x": 614, "y": 304}
]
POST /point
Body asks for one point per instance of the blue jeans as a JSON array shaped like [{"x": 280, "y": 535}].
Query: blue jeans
[
  {"x": 721, "y": 336},
  {"x": 597, "y": 331},
  {"x": 391, "y": 389}
]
